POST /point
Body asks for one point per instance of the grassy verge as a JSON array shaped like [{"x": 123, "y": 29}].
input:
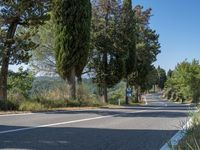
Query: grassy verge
[
  {"x": 43, "y": 105},
  {"x": 192, "y": 139}
]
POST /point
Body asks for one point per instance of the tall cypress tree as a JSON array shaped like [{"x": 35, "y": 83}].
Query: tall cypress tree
[
  {"x": 129, "y": 40},
  {"x": 72, "y": 33}
]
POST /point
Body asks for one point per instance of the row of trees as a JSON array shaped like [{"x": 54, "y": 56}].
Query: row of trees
[
  {"x": 122, "y": 47},
  {"x": 108, "y": 39},
  {"x": 184, "y": 82}
]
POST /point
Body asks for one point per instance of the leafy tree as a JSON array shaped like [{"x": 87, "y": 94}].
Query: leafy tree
[
  {"x": 72, "y": 21},
  {"x": 17, "y": 16},
  {"x": 20, "y": 82},
  {"x": 162, "y": 78},
  {"x": 147, "y": 49},
  {"x": 107, "y": 62},
  {"x": 169, "y": 73},
  {"x": 184, "y": 83},
  {"x": 43, "y": 58}
]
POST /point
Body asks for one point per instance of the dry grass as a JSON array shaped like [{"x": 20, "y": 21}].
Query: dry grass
[{"x": 192, "y": 139}]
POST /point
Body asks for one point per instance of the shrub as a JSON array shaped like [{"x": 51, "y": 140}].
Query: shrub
[
  {"x": 9, "y": 105},
  {"x": 192, "y": 138},
  {"x": 54, "y": 103},
  {"x": 31, "y": 106}
]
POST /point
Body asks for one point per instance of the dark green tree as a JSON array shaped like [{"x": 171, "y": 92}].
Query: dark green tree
[
  {"x": 162, "y": 78},
  {"x": 147, "y": 49},
  {"x": 16, "y": 18},
  {"x": 107, "y": 62},
  {"x": 169, "y": 73},
  {"x": 128, "y": 39},
  {"x": 72, "y": 21}
]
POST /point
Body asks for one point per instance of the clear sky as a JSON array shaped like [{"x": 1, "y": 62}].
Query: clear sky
[{"x": 178, "y": 24}]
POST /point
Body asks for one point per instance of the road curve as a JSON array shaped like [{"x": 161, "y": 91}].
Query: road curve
[{"x": 129, "y": 128}]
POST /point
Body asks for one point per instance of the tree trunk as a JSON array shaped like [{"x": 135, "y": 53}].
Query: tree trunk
[
  {"x": 79, "y": 80},
  {"x": 154, "y": 88},
  {"x": 139, "y": 94},
  {"x": 126, "y": 97},
  {"x": 72, "y": 84},
  {"x": 136, "y": 94},
  {"x": 5, "y": 61},
  {"x": 105, "y": 92},
  {"x": 4, "y": 76}
]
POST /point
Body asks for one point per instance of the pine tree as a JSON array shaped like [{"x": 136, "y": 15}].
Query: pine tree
[
  {"x": 147, "y": 49},
  {"x": 107, "y": 62},
  {"x": 72, "y": 33},
  {"x": 16, "y": 17}
]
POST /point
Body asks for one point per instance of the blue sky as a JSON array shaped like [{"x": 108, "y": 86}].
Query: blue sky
[{"x": 178, "y": 24}]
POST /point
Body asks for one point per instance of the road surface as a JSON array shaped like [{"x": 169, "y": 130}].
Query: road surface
[{"x": 129, "y": 128}]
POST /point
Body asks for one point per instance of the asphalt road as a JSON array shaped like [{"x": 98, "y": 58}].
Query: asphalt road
[{"x": 130, "y": 128}]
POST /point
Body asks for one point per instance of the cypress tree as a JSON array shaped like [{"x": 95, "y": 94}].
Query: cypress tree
[
  {"x": 128, "y": 40},
  {"x": 72, "y": 34}
]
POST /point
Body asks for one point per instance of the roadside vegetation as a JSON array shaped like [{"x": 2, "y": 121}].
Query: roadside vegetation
[
  {"x": 183, "y": 83},
  {"x": 192, "y": 139}
]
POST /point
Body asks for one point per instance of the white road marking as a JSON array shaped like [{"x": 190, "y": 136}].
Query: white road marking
[
  {"x": 178, "y": 136},
  {"x": 62, "y": 123}
]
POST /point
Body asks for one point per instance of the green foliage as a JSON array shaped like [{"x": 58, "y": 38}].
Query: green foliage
[
  {"x": 43, "y": 59},
  {"x": 107, "y": 62},
  {"x": 16, "y": 19},
  {"x": 9, "y": 105},
  {"x": 185, "y": 81},
  {"x": 192, "y": 139},
  {"x": 128, "y": 37},
  {"x": 147, "y": 49},
  {"x": 72, "y": 34},
  {"x": 162, "y": 78},
  {"x": 31, "y": 106},
  {"x": 24, "y": 15},
  {"x": 20, "y": 83}
]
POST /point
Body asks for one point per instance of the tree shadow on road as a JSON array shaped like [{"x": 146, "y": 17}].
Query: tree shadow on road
[
  {"x": 76, "y": 138},
  {"x": 130, "y": 113}
]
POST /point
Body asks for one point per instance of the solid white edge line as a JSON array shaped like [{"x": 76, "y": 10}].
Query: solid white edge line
[
  {"x": 178, "y": 136},
  {"x": 62, "y": 123}
]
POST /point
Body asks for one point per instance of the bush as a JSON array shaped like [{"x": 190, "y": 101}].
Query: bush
[
  {"x": 16, "y": 94},
  {"x": 54, "y": 103},
  {"x": 31, "y": 106},
  {"x": 9, "y": 105}
]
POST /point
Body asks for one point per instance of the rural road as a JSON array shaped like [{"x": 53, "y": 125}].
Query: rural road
[{"x": 130, "y": 128}]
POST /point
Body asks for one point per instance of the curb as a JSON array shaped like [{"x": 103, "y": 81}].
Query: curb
[{"x": 178, "y": 136}]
